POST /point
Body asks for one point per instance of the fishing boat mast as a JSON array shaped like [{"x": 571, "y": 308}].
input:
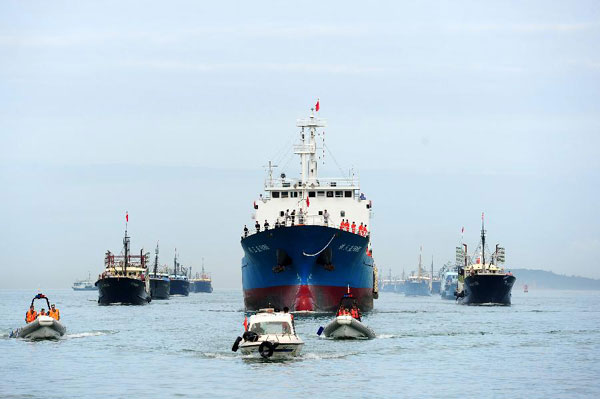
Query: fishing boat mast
[
  {"x": 126, "y": 248},
  {"x": 175, "y": 264},
  {"x": 156, "y": 260},
  {"x": 482, "y": 242}
]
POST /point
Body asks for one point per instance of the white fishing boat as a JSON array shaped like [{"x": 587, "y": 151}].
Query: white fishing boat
[{"x": 269, "y": 334}]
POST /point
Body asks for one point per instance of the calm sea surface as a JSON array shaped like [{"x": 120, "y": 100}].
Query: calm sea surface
[{"x": 547, "y": 345}]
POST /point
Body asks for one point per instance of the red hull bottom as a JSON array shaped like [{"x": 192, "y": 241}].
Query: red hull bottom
[{"x": 305, "y": 297}]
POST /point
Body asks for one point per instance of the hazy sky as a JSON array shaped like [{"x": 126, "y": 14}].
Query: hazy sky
[{"x": 170, "y": 109}]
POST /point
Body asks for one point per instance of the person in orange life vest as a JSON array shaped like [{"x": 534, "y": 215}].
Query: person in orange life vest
[
  {"x": 355, "y": 311},
  {"x": 54, "y": 313},
  {"x": 342, "y": 224},
  {"x": 361, "y": 230},
  {"x": 347, "y": 225},
  {"x": 365, "y": 231},
  {"x": 31, "y": 314},
  {"x": 43, "y": 312},
  {"x": 353, "y": 228}
]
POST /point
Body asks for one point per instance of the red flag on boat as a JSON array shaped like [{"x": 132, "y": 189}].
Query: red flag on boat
[
  {"x": 317, "y": 105},
  {"x": 307, "y": 202},
  {"x": 127, "y": 216}
]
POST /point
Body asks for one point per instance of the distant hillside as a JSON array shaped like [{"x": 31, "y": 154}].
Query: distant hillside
[{"x": 542, "y": 279}]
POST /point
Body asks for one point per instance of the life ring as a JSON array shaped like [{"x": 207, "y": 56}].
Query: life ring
[
  {"x": 266, "y": 349},
  {"x": 236, "y": 344}
]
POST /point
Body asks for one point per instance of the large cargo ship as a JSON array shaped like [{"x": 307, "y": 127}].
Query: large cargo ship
[{"x": 311, "y": 238}]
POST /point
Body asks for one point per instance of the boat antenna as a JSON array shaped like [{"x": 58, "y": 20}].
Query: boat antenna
[{"x": 482, "y": 242}]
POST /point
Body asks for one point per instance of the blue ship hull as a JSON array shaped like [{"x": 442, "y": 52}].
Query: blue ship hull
[
  {"x": 417, "y": 288},
  {"x": 306, "y": 268}
]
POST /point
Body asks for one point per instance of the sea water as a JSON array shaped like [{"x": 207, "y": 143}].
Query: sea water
[{"x": 546, "y": 345}]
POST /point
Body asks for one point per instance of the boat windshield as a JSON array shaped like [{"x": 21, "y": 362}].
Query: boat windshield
[{"x": 271, "y": 327}]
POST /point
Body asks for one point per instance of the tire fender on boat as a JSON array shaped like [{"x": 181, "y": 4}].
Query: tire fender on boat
[
  {"x": 266, "y": 349},
  {"x": 236, "y": 344}
]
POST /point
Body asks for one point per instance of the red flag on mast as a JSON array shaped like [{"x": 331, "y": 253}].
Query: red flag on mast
[
  {"x": 317, "y": 105},
  {"x": 307, "y": 202},
  {"x": 127, "y": 216}
]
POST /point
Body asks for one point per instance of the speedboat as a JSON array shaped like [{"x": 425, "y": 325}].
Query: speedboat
[
  {"x": 269, "y": 334},
  {"x": 44, "y": 327},
  {"x": 348, "y": 326}
]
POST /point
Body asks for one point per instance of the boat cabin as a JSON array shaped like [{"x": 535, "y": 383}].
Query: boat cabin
[{"x": 268, "y": 322}]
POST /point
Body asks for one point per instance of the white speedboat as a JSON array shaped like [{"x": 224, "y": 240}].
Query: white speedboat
[
  {"x": 269, "y": 334},
  {"x": 44, "y": 327},
  {"x": 347, "y": 324}
]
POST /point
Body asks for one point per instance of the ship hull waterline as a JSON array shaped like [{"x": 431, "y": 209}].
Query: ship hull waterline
[
  {"x": 487, "y": 289},
  {"x": 125, "y": 290},
  {"x": 160, "y": 288},
  {"x": 180, "y": 287},
  {"x": 201, "y": 286},
  {"x": 306, "y": 268}
]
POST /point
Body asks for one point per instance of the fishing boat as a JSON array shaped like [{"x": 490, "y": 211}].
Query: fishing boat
[
  {"x": 84, "y": 285},
  {"x": 418, "y": 284},
  {"x": 436, "y": 282},
  {"x": 303, "y": 252},
  {"x": 202, "y": 282},
  {"x": 160, "y": 284},
  {"x": 484, "y": 281},
  {"x": 391, "y": 284},
  {"x": 124, "y": 279},
  {"x": 449, "y": 281},
  {"x": 269, "y": 334},
  {"x": 180, "y": 283},
  {"x": 43, "y": 327},
  {"x": 348, "y": 322}
]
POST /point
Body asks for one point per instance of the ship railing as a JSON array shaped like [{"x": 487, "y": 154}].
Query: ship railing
[
  {"x": 310, "y": 220},
  {"x": 329, "y": 182}
]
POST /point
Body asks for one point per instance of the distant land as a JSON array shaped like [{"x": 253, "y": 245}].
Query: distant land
[{"x": 541, "y": 279}]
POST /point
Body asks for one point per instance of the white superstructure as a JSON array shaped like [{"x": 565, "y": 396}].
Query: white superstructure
[{"x": 304, "y": 200}]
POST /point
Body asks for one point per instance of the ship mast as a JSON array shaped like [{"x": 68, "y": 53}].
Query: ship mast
[
  {"x": 482, "y": 243},
  {"x": 175, "y": 264},
  {"x": 156, "y": 260},
  {"x": 420, "y": 263},
  {"x": 308, "y": 147},
  {"x": 126, "y": 248}
]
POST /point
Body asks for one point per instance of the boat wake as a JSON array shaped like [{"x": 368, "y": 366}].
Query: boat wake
[{"x": 90, "y": 334}]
